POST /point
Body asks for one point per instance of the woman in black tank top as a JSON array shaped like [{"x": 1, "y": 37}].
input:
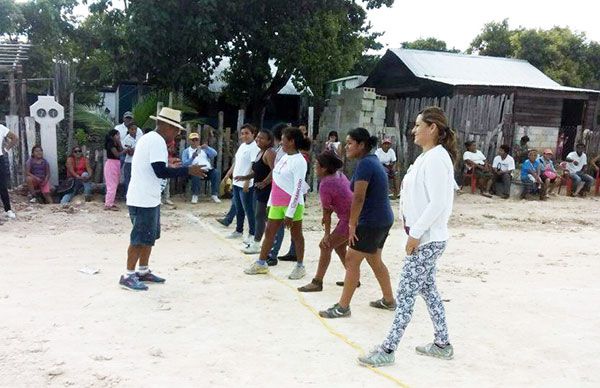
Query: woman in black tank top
[{"x": 261, "y": 173}]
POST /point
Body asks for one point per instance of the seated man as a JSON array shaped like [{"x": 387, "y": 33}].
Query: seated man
[
  {"x": 547, "y": 172},
  {"x": 475, "y": 161},
  {"x": 387, "y": 157},
  {"x": 576, "y": 162},
  {"x": 530, "y": 177},
  {"x": 201, "y": 155},
  {"x": 503, "y": 166}
]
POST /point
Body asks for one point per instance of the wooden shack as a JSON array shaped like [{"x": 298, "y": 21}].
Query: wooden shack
[{"x": 490, "y": 100}]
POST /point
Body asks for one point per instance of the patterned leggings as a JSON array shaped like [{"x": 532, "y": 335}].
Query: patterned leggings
[{"x": 418, "y": 276}]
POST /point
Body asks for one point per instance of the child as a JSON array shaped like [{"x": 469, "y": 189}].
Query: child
[
  {"x": 37, "y": 171},
  {"x": 336, "y": 197}
]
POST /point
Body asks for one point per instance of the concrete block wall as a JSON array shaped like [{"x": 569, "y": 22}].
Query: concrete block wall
[
  {"x": 539, "y": 137},
  {"x": 360, "y": 107}
]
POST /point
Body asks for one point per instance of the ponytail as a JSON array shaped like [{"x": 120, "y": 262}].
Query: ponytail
[
  {"x": 446, "y": 136},
  {"x": 361, "y": 135}
]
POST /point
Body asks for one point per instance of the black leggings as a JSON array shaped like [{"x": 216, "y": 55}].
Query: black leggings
[{"x": 3, "y": 183}]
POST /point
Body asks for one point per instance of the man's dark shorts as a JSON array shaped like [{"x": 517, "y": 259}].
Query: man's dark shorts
[
  {"x": 146, "y": 225},
  {"x": 370, "y": 239}
]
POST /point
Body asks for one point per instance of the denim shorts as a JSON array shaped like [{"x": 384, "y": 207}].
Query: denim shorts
[{"x": 146, "y": 225}]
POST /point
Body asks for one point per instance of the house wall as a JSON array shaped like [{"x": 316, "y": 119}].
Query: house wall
[{"x": 539, "y": 137}]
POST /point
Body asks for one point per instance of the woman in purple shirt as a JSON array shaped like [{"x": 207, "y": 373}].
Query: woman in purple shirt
[{"x": 336, "y": 197}]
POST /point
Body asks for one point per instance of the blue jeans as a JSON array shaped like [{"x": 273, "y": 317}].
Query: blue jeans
[
  {"x": 126, "y": 176},
  {"x": 579, "y": 177},
  {"x": 244, "y": 206},
  {"x": 77, "y": 186},
  {"x": 277, "y": 244},
  {"x": 231, "y": 213},
  {"x": 213, "y": 176}
]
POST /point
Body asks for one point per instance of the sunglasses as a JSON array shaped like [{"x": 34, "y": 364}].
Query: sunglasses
[
  {"x": 77, "y": 151},
  {"x": 195, "y": 139}
]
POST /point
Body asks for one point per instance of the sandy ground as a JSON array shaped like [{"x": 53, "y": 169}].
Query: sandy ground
[{"x": 520, "y": 280}]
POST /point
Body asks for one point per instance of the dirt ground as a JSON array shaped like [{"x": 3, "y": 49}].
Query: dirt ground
[{"x": 520, "y": 280}]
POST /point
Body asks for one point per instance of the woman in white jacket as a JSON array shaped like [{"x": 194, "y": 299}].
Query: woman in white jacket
[{"x": 426, "y": 204}]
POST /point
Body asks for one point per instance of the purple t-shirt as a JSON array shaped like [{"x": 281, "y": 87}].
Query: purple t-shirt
[
  {"x": 37, "y": 168},
  {"x": 336, "y": 195}
]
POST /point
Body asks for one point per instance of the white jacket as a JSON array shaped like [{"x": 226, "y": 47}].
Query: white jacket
[{"x": 427, "y": 195}]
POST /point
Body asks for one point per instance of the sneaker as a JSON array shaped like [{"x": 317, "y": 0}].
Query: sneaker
[
  {"x": 248, "y": 240},
  {"x": 252, "y": 248},
  {"x": 132, "y": 282},
  {"x": 432, "y": 350},
  {"x": 382, "y": 304},
  {"x": 271, "y": 262},
  {"x": 33, "y": 200},
  {"x": 335, "y": 311},
  {"x": 10, "y": 214},
  {"x": 377, "y": 358},
  {"x": 215, "y": 199},
  {"x": 222, "y": 222},
  {"x": 257, "y": 269},
  {"x": 234, "y": 234},
  {"x": 150, "y": 277},
  {"x": 297, "y": 273},
  {"x": 194, "y": 199},
  {"x": 287, "y": 258}
]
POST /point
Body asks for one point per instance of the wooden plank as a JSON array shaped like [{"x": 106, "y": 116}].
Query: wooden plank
[
  {"x": 240, "y": 120},
  {"x": 220, "y": 134}
]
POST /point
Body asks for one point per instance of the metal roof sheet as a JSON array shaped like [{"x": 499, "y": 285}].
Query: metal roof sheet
[{"x": 477, "y": 70}]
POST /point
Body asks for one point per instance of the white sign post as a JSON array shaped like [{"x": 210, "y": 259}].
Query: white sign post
[{"x": 48, "y": 113}]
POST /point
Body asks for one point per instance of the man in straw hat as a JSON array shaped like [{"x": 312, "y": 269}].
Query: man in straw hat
[{"x": 149, "y": 170}]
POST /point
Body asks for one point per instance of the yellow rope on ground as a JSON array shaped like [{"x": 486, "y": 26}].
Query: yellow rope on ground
[{"x": 310, "y": 308}]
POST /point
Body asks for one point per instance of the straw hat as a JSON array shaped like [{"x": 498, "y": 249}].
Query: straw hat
[{"x": 169, "y": 116}]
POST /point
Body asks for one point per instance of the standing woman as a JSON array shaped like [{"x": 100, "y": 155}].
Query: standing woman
[
  {"x": 426, "y": 204},
  {"x": 12, "y": 141},
  {"x": 371, "y": 218},
  {"x": 261, "y": 173},
  {"x": 286, "y": 202},
  {"x": 336, "y": 197},
  {"x": 112, "y": 168}
]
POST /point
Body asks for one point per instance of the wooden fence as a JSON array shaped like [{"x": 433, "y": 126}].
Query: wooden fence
[{"x": 487, "y": 119}]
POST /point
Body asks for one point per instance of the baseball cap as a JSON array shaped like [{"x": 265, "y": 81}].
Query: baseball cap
[
  {"x": 128, "y": 114},
  {"x": 194, "y": 135}
]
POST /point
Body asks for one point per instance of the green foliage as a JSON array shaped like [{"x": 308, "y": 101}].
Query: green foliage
[
  {"x": 81, "y": 136},
  {"x": 494, "y": 40},
  {"x": 95, "y": 121},
  {"x": 11, "y": 18},
  {"x": 430, "y": 44}
]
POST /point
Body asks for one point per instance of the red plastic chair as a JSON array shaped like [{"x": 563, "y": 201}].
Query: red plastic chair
[
  {"x": 473, "y": 180},
  {"x": 597, "y": 189}
]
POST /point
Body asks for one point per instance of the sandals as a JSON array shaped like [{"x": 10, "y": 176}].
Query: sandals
[
  {"x": 114, "y": 208},
  {"x": 315, "y": 285},
  {"x": 341, "y": 284}
]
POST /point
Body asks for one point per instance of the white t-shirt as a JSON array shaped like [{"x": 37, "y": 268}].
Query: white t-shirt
[
  {"x": 201, "y": 159},
  {"x": 506, "y": 164},
  {"x": 476, "y": 157},
  {"x": 129, "y": 142},
  {"x": 581, "y": 161},
  {"x": 386, "y": 157},
  {"x": 333, "y": 146},
  {"x": 3, "y": 132},
  {"x": 145, "y": 187},
  {"x": 289, "y": 175},
  {"x": 123, "y": 131},
  {"x": 244, "y": 157}
]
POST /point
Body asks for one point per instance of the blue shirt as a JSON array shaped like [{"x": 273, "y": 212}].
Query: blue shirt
[
  {"x": 527, "y": 168},
  {"x": 376, "y": 210}
]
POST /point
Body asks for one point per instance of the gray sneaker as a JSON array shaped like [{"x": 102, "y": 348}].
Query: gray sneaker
[
  {"x": 432, "y": 350},
  {"x": 335, "y": 311},
  {"x": 297, "y": 273},
  {"x": 376, "y": 358}
]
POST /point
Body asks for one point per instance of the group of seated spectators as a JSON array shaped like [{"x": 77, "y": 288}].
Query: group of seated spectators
[{"x": 538, "y": 173}]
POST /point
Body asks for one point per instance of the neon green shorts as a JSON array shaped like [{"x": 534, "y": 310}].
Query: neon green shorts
[{"x": 278, "y": 213}]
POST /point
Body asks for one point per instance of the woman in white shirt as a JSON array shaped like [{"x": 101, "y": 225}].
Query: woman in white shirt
[
  {"x": 286, "y": 202},
  {"x": 426, "y": 204}
]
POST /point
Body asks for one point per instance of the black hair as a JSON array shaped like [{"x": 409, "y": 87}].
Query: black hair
[
  {"x": 278, "y": 130},
  {"x": 249, "y": 127},
  {"x": 111, "y": 134},
  {"x": 469, "y": 143},
  {"x": 524, "y": 139},
  {"x": 505, "y": 147},
  {"x": 269, "y": 135},
  {"x": 131, "y": 124},
  {"x": 329, "y": 161},
  {"x": 295, "y": 134},
  {"x": 361, "y": 135},
  {"x": 333, "y": 133},
  {"x": 36, "y": 147},
  {"x": 580, "y": 145}
]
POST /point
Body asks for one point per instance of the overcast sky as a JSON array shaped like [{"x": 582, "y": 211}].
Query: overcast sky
[{"x": 457, "y": 22}]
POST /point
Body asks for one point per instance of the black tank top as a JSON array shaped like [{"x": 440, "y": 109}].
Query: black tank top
[{"x": 261, "y": 171}]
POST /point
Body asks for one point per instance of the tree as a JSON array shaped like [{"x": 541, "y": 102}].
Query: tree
[
  {"x": 494, "y": 40},
  {"x": 430, "y": 44},
  {"x": 10, "y": 20},
  {"x": 311, "y": 40}
]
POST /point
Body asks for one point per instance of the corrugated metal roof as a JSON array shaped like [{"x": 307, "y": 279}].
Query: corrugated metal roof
[
  {"x": 463, "y": 69},
  {"x": 217, "y": 83}
]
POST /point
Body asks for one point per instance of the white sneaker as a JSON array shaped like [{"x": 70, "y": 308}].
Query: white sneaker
[
  {"x": 297, "y": 273},
  {"x": 215, "y": 199},
  {"x": 253, "y": 248},
  {"x": 234, "y": 234},
  {"x": 10, "y": 214},
  {"x": 194, "y": 199},
  {"x": 249, "y": 239}
]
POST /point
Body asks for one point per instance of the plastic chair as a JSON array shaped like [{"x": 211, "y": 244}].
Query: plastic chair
[
  {"x": 597, "y": 188},
  {"x": 473, "y": 179}
]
